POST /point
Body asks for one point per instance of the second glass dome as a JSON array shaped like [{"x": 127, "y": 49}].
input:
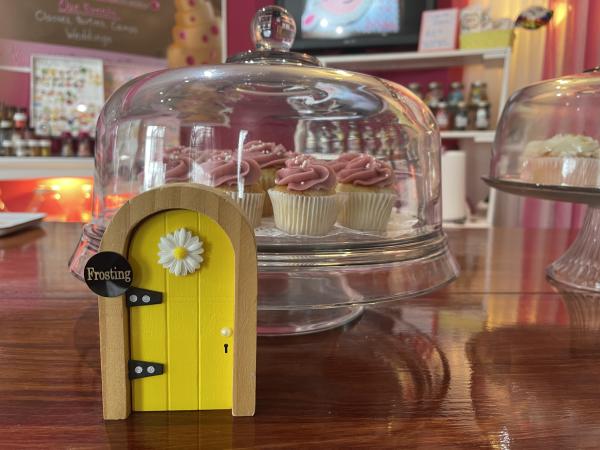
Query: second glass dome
[{"x": 549, "y": 136}]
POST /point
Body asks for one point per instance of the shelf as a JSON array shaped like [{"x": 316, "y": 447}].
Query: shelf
[
  {"x": 13, "y": 168},
  {"x": 478, "y": 136},
  {"x": 415, "y": 60}
]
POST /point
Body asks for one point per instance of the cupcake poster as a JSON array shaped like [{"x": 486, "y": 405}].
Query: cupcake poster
[{"x": 67, "y": 94}]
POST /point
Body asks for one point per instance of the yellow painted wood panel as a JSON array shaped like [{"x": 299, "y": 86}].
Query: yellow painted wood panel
[
  {"x": 148, "y": 326},
  {"x": 217, "y": 288},
  {"x": 182, "y": 324},
  {"x": 198, "y": 372}
]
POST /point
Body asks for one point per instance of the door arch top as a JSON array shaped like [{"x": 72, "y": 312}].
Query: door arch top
[
  {"x": 113, "y": 314},
  {"x": 193, "y": 197}
]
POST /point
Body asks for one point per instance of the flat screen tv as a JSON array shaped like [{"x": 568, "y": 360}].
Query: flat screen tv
[{"x": 354, "y": 24}]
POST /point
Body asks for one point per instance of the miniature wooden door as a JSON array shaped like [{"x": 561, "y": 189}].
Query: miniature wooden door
[{"x": 191, "y": 331}]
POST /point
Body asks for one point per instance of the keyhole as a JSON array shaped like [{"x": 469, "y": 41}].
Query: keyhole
[{"x": 225, "y": 346}]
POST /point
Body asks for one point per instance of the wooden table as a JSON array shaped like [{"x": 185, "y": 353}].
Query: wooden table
[{"x": 498, "y": 359}]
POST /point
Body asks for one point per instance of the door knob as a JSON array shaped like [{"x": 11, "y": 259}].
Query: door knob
[{"x": 226, "y": 332}]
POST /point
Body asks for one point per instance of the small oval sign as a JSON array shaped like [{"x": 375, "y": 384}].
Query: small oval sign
[{"x": 108, "y": 274}]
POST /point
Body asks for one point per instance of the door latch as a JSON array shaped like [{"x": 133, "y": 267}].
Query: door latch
[
  {"x": 143, "y": 369},
  {"x": 142, "y": 297}
]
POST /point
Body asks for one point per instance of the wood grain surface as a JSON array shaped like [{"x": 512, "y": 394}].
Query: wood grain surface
[{"x": 499, "y": 359}]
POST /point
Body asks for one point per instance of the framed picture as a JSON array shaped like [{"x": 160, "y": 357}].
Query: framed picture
[
  {"x": 67, "y": 94},
  {"x": 439, "y": 29}
]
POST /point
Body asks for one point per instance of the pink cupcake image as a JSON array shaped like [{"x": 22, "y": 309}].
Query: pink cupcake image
[
  {"x": 304, "y": 198},
  {"x": 339, "y": 163},
  {"x": 367, "y": 185},
  {"x": 239, "y": 179},
  {"x": 270, "y": 157}
]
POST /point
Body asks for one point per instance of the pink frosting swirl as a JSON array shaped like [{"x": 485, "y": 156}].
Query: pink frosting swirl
[
  {"x": 179, "y": 162},
  {"x": 223, "y": 171},
  {"x": 298, "y": 160},
  {"x": 308, "y": 175},
  {"x": 266, "y": 154},
  {"x": 207, "y": 155},
  {"x": 341, "y": 162},
  {"x": 366, "y": 171}
]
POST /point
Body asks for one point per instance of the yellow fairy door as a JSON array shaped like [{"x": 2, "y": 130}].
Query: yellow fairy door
[{"x": 191, "y": 331}]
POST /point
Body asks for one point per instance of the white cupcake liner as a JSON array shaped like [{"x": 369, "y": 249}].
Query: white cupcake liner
[
  {"x": 251, "y": 203},
  {"x": 562, "y": 171},
  {"x": 367, "y": 211},
  {"x": 304, "y": 214}
]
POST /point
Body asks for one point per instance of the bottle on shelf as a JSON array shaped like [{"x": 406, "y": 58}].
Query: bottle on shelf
[
  {"x": 382, "y": 137},
  {"x": 67, "y": 147},
  {"x": 45, "y": 147},
  {"x": 33, "y": 148},
  {"x": 6, "y": 132},
  {"x": 482, "y": 115},
  {"x": 354, "y": 141},
  {"x": 434, "y": 95},
  {"x": 20, "y": 147},
  {"x": 9, "y": 113},
  {"x": 84, "y": 144},
  {"x": 324, "y": 140},
  {"x": 19, "y": 125},
  {"x": 461, "y": 117},
  {"x": 456, "y": 95},
  {"x": 311, "y": 139},
  {"x": 370, "y": 143},
  {"x": 477, "y": 94},
  {"x": 442, "y": 116},
  {"x": 8, "y": 147},
  {"x": 338, "y": 137}
]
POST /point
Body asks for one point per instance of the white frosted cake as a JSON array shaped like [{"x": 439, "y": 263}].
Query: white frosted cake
[{"x": 564, "y": 159}]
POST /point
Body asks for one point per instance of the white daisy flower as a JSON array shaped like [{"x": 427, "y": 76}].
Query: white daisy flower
[{"x": 180, "y": 252}]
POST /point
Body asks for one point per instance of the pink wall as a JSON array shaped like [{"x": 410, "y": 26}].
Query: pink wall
[
  {"x": 14, "y": 88},
  {"x": 239, "y": 15},
  {"x": 238, "y": 39}
]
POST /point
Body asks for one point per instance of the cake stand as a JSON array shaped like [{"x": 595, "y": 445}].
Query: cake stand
[
  {"x": 303, "y": 289},
  {"x": 579, "y": 266},
  {"x": 306, "y": 287}
]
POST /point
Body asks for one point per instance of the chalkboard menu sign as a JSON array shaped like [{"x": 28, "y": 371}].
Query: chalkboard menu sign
[{"x": 140, "y": 27}]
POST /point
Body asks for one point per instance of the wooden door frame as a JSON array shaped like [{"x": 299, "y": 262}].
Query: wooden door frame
[{"x": 113, "y": 313}]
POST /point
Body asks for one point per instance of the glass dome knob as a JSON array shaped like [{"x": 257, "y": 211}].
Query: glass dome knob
[{"x": 273, "y": 28}]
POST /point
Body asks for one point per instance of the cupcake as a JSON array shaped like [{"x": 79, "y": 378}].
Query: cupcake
[
  {"x": 180, "y": 162},
  {"x": 564, "y": 159},
  {"x": 339, "y": 163},
  {"x": 177, "y": 164},
  {"x": 304, "y": 198},
  {"x": 239, "y": 179},
  {"x": 270, "y": 157},
  {"x": 367, "y": 185}
]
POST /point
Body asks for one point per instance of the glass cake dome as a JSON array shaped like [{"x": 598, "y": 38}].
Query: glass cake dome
[
  {"x": 548, "y": 134},
  {"x": 547, "y": 146},
  {"x": 339, "y": 172}
]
